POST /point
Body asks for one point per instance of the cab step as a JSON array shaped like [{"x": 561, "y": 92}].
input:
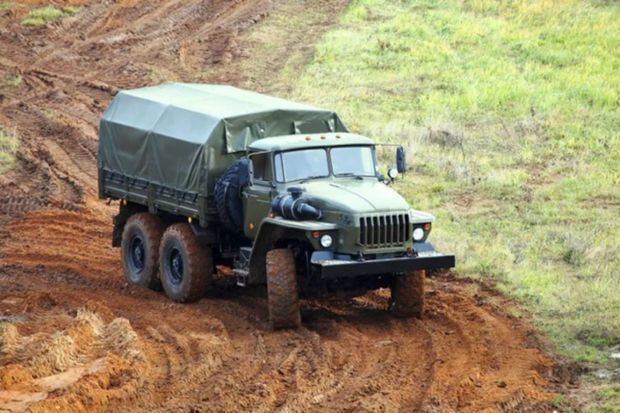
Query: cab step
[{"x": 241, "y": 266}]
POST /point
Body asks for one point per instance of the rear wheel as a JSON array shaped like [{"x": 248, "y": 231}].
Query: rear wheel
[
  {"x": 283, "y": 296},
  {"x": 140, "y": 249},
  {"x": 408, "y": 294},
  {"x": 186, "y": 266}
]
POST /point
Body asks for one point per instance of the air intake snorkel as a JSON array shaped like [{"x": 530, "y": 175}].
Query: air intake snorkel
[{"x": 291, "y": 206}]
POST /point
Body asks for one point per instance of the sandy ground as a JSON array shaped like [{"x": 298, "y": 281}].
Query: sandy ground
[{"x": 75, "y": 337}]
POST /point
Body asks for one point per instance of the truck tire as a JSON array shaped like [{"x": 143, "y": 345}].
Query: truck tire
[
  {"x": 186, "y": 267},
  {"x": 283, "y": 297},
  {"x": 408, "y": 294},
  {"x": 140, "y": 249},
  {"x": 228, "y": 198}
]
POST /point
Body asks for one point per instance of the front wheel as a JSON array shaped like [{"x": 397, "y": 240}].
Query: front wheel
[
  {"x": 407, "y": 298},
  {"x": 186, "y": 266},
  {"x": 283, "y": 296}
]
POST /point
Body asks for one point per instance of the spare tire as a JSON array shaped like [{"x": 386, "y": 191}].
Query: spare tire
[{"x": 228, "y": 195}]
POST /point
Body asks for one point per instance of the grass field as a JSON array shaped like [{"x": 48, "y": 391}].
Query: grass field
[{"x": 511, "y": 115}]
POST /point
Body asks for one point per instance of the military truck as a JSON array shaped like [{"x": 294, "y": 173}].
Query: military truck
[{"x": 279, "y": 192}]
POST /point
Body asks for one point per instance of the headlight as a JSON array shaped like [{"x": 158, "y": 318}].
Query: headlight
[
  {"x": 326, "y": 241},
  {"x": 418, "y": 234}
]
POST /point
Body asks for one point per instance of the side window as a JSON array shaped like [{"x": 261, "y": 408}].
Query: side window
[
  {"x": 278, "y": 165},
  {"x": 262, "y": 167}
]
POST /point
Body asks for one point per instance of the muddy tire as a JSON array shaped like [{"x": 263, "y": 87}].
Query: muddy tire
[
  {"x": 283, "y": 296},
  {"x": 140, "y": 249},
  {"x": 186, "y": 267},
  {"x": 408, "y": 295}
]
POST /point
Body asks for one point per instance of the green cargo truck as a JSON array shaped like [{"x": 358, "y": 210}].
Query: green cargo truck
[{"x": 278, "y": 191}]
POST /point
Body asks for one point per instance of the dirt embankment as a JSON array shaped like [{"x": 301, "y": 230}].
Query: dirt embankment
[{"x": 80, "y": 339}]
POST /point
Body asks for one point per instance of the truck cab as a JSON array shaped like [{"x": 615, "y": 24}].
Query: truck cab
[{"x": 335, "y": 216}]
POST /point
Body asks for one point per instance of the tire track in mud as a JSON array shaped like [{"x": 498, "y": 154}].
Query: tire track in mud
[
  {"x": 348, "y": 357},
  {"x": 55, "y": 64},
  {"x": 62, "y": 288}
]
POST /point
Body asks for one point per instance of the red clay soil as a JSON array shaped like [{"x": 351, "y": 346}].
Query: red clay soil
[{"x": 75, "y": 337}]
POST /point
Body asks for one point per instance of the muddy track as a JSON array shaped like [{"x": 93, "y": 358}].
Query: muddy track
[
  {"x": 220, "y": 354},
  {"x": 78, "y": 338}
]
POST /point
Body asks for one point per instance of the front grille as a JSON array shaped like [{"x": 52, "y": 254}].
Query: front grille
[{"x": 380, "y": 231}]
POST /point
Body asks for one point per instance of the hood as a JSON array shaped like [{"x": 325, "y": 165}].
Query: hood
[{"x": 354, "y": 196}]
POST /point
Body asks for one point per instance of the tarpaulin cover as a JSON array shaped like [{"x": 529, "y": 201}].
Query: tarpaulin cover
[{"x": 169, "y": 134}]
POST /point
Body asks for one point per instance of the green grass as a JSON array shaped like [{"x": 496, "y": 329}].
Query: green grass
[
  {"x": 511, "y": 115},
  {"x": 43, "y": 15},
  {"x": 609, "y": 400},
  {"x": 5, "y": 6},
  {"x": 8, "y": 148},
  {"x": 609, "y": 393},
  {"x": 12, "y": 80}
]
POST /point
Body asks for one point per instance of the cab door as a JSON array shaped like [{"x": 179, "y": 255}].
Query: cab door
[{"x": 257, "y": 197}]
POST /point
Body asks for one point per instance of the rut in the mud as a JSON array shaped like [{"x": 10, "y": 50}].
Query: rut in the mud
[{"x": 81, "y": 339}]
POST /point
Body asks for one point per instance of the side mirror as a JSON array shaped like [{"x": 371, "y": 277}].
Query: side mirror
[{"x": 401, "y": 164}]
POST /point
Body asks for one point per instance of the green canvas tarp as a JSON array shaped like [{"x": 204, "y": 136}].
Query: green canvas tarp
[{"x": 175, "y": 134}]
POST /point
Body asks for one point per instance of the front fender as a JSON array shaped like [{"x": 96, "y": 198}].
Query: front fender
[{"x": 270, "y": 231}]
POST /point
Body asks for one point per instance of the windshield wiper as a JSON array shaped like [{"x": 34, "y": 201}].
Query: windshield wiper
[
  {"x": 353, "y": 174},
  {"x": 311, "y": 177}
]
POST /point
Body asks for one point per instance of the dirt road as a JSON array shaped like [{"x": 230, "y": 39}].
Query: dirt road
[{"x": 75, "y": 337}]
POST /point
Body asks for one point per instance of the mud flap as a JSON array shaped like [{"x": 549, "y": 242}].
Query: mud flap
[{"x": 117, "y": 231}]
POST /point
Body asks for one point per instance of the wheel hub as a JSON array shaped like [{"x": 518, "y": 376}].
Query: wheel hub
[
  {"x": 137, "y": 253},
  {"x": 176, "y": 266}
]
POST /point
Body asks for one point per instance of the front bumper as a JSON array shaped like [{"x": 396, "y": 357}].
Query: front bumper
[{"x": 334, "y": 268}]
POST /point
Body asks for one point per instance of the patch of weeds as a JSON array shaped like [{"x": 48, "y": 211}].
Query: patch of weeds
[
  {"x": 12, "y": 79},
  {"x": 611, "y": 407},
  {"x": 157, "y": 74},
  {"x": 8, "y": 148},
  {"x": 560, "y": 401},
  {"x": 71, "y": 10},
  {"x": 358, "y": 13},
  {"x": 50, "y": 114},
  {"x": 438, "y": 187},
  {"x": 42, "y": 15},
  {"x": 612, "y": 392}
]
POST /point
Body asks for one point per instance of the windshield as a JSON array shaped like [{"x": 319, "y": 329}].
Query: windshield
[
  {"x": 313, "y": 163},
  {"x": 353, "y": 160},
  {"x": 307, "y": 163}
]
